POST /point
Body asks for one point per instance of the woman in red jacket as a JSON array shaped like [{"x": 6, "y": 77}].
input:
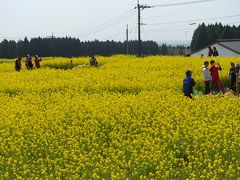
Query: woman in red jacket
[{"x": 215, "y": 76}]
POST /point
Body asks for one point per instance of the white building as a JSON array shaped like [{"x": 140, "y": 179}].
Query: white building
[{"x": 225, "y": 47}]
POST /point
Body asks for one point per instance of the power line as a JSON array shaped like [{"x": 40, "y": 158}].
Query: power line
[
  {"x": 116, "y": 35},
  {"x": 182, "y": 3},
  {"x": 105, "y": 27},
  {"x": 193, "y": 20},
  {"x": 166, "y": 30},
  {"x": 108, "y": 24},
  {"x": 189, "y": 11}
]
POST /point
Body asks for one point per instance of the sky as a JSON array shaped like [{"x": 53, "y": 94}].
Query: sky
[{"x": 108, "y": 19}]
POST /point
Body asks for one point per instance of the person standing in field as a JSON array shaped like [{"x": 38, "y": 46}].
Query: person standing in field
[
  {"x": 215, "y": 75},
  {"x": 210, "y": 51},
  {"x": 188, "y": 84},
  {"x": 232, "y": 76},
  {"x": 207, "y": 77},
  {"x": 28, "y": 62},
  {"x": 18, "y": 65},
  {"x": 238, "y": 76},
  {"x": 188, "y": 52},
  {"x": 37, "y": 61},
  {"x": 215, "y": 52}
]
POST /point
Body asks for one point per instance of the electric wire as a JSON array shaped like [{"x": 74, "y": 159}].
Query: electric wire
[
  {"x": 107, "y": 24},
  {"x": 182, "y": 3},
  {"x": 194, "y": 20}
]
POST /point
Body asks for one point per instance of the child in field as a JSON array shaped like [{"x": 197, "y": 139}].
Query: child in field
[{"x": 188, "y": 84}]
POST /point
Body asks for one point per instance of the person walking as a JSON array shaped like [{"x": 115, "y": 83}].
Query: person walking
[
  {"x": 188, "y": 83},
  {"x": 215, "y": 67},
  {"x": 206, "y": 77}
]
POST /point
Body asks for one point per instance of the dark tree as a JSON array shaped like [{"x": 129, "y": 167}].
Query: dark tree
[
  {"x": 205, "y": 35},
  {"x": 72, "y": 47}
]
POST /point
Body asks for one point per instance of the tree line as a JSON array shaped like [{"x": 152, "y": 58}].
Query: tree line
[
  {"x": 73, "y": 47},
  {"x": 205, "y": 35}
]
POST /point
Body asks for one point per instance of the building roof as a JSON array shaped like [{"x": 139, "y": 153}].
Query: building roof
[{"x": 230, "y": 44}]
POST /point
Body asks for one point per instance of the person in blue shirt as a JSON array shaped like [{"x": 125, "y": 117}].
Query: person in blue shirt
[{"x": 188, "y": 84}]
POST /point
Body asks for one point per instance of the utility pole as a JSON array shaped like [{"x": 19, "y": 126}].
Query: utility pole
[
  {"x": 139, "y": 8},
  {"x": 51, "y": 39},
  {"x": 139, "y": 29},
  {"x": 127, "y": 40}
]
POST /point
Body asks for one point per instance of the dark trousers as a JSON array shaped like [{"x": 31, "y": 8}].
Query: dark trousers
[
  {"x": 233, "y": 84},
  {"x": 207, "y": 87}
]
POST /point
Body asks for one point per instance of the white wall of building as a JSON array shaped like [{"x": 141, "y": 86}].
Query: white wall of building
[{"x": 221, "y": 50}]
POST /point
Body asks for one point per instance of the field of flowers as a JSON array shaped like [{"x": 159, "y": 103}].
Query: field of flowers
[{"x": 126, "y": 119}]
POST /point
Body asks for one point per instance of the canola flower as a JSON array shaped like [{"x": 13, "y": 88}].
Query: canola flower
[{"x": 126, "y": 119}]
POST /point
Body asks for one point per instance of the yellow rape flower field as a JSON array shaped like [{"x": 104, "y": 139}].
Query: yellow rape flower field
[{"x": 126, "y": 119}]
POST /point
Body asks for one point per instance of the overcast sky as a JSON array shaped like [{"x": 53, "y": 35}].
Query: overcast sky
[{"x": 107, "y": 19}]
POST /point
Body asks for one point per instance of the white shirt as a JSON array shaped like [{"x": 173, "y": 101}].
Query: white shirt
[{"x": 206, "y": 74}]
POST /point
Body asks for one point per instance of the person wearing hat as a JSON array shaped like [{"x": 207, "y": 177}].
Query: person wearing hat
[{"x": 188, "y": 84}]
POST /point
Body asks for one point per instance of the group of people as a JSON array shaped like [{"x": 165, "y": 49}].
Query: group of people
[
  {"x": 213, "y": 51},
  {"x": 28, "y": 63},
  {"x": 211, "y": 78}
]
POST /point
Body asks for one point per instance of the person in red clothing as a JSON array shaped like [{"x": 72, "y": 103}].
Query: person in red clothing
[
  {"x": 215, "y": 76},
  {"x": 37, "y": 61}
]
